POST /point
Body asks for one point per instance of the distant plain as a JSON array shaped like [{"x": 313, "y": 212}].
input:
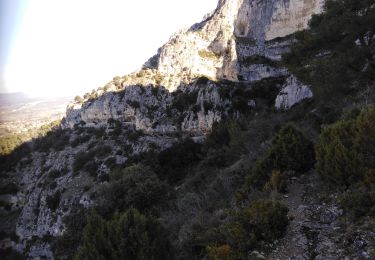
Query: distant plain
[{"x": 21, "y": 113}]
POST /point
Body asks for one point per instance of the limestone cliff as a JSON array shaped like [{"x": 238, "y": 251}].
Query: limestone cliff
[
  {"x": 207, "y": 72},
  {"x": 220, "y": 46},
  {"x": 240, "y": 41}
]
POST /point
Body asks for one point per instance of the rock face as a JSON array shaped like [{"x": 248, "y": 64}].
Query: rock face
[
  {"x": 235, "y": 31},
  {"x": 292, "y": 93},
  {"x": 193, "y": 108},
  {"x": 241, "y": 41}
]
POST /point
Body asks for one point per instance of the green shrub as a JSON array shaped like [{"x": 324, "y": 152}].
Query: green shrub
[
  {"x": 10, "y": 254},
  {"x": 56, "y": 139},
  {"x": 184, "y": 100},
  {"x": 88, "y": 160},
  {"x": 208, "y": 54},
  {"x": 78, "y": 99},
  {"x": 80, "y": 160},
  {"x": 66, "y": 245},
  {"x": 54, "y": 174},
  {"x": 136, "y": 186},
  {"x": 334, "y": 54},
  {"x": 134, "y": 136},
  {"x": 225, "y": 135},
  {"x": 277, "y": 182},
  {"x": 9, "y": 188},
  {"x": 175, "y": 163},
  {"x": 262, "y": 221},
  {"x": 130, "y": 235},
  {"x": 358, "y": 203},
  {"x": 290, "y": 151},
  {"x": 80, "y": 140},
  {"x": 53, "y": 201},
  {"x": 9, "y": 143},
  {"x": 346, "y": 150},
  {"x": 224, "y": 144},
  {"x": 223, "y": 252}
]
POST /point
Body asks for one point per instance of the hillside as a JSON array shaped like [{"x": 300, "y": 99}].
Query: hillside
[{"x": 249, "y": 135}]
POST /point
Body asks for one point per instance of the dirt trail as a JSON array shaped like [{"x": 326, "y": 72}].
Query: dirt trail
[{"x": 312, "y": 231}]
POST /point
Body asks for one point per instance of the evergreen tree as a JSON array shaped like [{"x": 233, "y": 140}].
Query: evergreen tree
[
  {"x": 130, "y": 235},
  {"x": 336, "y": 53},
  {"x": 346, "y": 149}
]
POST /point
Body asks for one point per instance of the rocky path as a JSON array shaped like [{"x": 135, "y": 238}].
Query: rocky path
[{"x": 313, "y": 232}]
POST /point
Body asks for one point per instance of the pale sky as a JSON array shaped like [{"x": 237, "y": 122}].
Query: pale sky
[{"x": 68, "y": 47}]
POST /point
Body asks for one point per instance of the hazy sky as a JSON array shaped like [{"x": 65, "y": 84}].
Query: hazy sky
[{"x": 67, "y": 47}]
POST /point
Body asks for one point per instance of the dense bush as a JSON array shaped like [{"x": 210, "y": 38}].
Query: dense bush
[
  {"x": 9, "y": 143},
  {"x": 80, "y": 140},
  {"x": 290, "y": 151},
  {"x": 130, "y": 235},
  {"x": 184, "y": 100},
  {"x": 9, "y": 188},
  {"x": 133, "y": 187},
  {"x": 10, "y": 254},
  {"x": 358, "y": 203},
  {"x": 66, "y": 245},
  {"x": 224, "y": 144},
  {"x": 88, "y": 160},
  {"x": 262, "y": 221},
  {"x": 336, "y": 54},
  {"x": 53, "y": 200},
  {"x": 21, "y": 154},
  {"x": 277, "y": 182},
  {"x": 54, "y": 174},
  {"x": 175, "y": 163},
  {"x": 81, "y": 159},
  {"x": 56, "y": 139},
  {"x": 346, "y": 150}
]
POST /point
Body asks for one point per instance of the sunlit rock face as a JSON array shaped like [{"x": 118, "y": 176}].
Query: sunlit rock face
[
  {"x": 240, "y": 41},
  {"x": 236, "y": 30},
  {"x": 292, "y": 93}
]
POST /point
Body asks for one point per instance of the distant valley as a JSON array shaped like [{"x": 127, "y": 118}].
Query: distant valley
[{"x": 20, "y": 113}]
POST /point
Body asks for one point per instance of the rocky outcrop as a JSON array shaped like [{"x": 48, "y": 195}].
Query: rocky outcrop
[
  {"x": 236, "y": 30},
  {"x": 315, "y": 230},
  {"x": 192, "y": 108},
  {"x": 53, "y": 189},
  {"x": 292, "y": 93},
  {"x": 241, "y": 41}
]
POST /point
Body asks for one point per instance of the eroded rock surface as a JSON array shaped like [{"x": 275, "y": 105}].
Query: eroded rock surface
[{"x": 292, "y": 93}]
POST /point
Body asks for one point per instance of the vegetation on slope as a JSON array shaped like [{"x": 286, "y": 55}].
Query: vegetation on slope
[
  {"x": 10, "y": 142},
  {"x": 336, "y": 54},
  {"x": 220, "y": 199},
  {"x": 129, "y": 235}
]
